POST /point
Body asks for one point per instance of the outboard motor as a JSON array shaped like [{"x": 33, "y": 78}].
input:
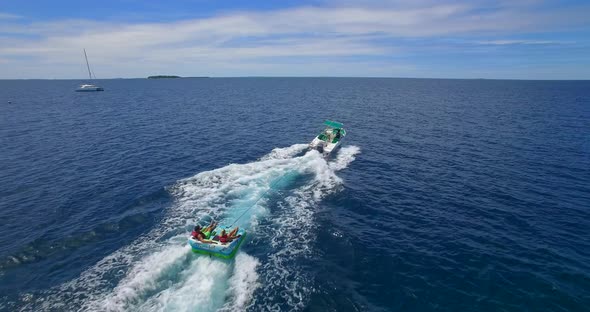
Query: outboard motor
[{"x": 321, "y": 147}]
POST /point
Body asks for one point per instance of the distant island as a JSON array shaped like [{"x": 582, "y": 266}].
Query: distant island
[{"x": 162, "y": 76}]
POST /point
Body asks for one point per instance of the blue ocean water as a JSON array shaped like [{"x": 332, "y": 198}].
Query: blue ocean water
[{"x": 447, "y": 195}]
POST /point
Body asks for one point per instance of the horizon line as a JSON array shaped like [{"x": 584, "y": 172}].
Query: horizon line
[{"x": 329, "y": 77}]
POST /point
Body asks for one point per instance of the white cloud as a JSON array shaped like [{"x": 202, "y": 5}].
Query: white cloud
[
  {"x": 8, "y": 16},
  {"x": 243, "y": 40},
  {"x": 520, "y": 42}
]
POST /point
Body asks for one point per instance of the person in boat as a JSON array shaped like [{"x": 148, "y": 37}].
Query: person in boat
[
  {"x": 203, "y": 235},
  {"x": 198, "y": 234},
  {"x": 209, "y": 229},
  {"x": 225, "y": 238}
]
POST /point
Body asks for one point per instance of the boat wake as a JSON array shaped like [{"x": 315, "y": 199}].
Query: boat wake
[{"x": 273, "y": 199}]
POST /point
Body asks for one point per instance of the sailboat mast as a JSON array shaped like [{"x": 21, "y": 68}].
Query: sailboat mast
[{"x": 87, "y": 65}]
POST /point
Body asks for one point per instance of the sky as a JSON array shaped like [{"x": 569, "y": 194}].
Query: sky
[{"x": 518, "y": 39}]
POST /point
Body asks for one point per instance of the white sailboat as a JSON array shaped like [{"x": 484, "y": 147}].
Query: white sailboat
[{"x": 87, "y": 87}]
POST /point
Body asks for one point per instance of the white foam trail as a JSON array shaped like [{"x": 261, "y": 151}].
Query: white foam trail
[
  {"x": 144, "y": 277},
  {"x": 345, "y": 156},
  {"x": 285, "y": 152},
  {"x": 293, "y": 231},
  {"x": 158, "y": 272},
  {"x": 243, "y": 283},
  {"x": 201, "y": 288}
]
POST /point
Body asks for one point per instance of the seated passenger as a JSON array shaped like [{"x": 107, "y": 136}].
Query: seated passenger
[
  {"x": 208, "y": 231},
  {"x": 223, "y": 238},
  {"x": 196, "y": 231},
  {"x": 198, "y": 234},
  {"x": 228, "y": 238}
]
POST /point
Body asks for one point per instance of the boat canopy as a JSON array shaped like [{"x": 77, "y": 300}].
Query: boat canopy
[{"x": 333, "y": 124}]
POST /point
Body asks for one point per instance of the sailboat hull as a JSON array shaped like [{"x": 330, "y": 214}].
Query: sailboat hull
[
  {"x": 94, "y": 89},
  {"x": 89, "y": 89}
]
